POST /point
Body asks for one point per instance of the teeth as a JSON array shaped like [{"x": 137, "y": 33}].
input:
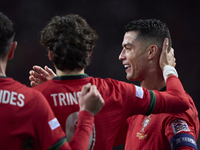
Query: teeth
[{"x": 126, "y": 66}]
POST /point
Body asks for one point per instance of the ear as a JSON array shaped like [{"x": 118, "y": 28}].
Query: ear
[
  {"x": 152, "y": 51},
  {"x": 12, "y": 50},
  {"x": 50, "y": 55}
]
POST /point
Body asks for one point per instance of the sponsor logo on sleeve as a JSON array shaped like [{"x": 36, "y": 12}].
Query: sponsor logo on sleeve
[
  {"x": 54, "y": 123},
  {"x": 179, "y": 125},
  {"x": 139, "y": 91}
]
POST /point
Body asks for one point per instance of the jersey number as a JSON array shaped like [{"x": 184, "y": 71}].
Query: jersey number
[{"x": 70, "y": 127}]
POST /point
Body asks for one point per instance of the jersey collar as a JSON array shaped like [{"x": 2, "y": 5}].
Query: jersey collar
[
  {"x": 71, "y": 77},
  {"x": 3, "y": 77}
]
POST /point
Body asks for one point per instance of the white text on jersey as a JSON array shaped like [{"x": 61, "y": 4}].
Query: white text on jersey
[
  {"x": 12, "y": 98},
  {"x": 63, "y": 99}
]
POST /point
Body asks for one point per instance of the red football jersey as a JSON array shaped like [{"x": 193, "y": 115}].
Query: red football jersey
[
  {"x": 121, "y": 101},
  {"x": 26, "y": 117},
  {"x": 161, "y": 131}
]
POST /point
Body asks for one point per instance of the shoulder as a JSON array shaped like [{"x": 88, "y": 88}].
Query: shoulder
[
  {"x": 44, "y": 85},
  {"x": 108, "y": 82},
  {"x": 23, "y": 89}
]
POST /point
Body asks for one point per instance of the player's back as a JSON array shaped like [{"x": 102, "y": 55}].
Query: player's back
[
  {"x": 15, "y": 124},
  {"x": 122, "y": 100},
  {"x": 24, "y": 115},
  {"x": 63, "y": 92}
]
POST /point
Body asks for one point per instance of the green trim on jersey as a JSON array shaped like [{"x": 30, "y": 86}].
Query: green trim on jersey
[
  {"x": 28, "y": 144},
  {"x": 58, "y": 144},
  {"x": 152, "y": 103}
]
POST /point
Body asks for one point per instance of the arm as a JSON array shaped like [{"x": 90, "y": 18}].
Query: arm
[
  {"x": 175, "y": 94},
  {"x": 169, "y": 100},
  {"x": 48, "y": 130},
  {"x": 80, "y": 139},
  {"x": 90, "y": 102},
  {"x": 181, "y": 133},
  {"x": 160, "y": 102}
]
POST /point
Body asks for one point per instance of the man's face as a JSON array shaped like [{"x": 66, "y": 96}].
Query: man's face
[{"x": 133, "y": 57}]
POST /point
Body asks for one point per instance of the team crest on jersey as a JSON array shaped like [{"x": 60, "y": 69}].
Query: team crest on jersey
[
  {"x": 141, "y": 135},
  {"x": 179, "y": 125},
  {"x": 146, "y": 123},
  {"x": 139, "y": 91}
]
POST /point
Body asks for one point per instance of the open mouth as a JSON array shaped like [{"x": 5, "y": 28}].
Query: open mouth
[{"x": 127, "y": 67}]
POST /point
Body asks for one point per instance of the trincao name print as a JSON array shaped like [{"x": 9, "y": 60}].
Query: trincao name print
[{"x": 64, "y": 99}]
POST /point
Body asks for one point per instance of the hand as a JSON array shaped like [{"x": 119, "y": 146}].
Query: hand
[
  {"x": 90, "y": 99},
  {"x": 167, "y": 58},
  {"x": 42, "y": 75}
]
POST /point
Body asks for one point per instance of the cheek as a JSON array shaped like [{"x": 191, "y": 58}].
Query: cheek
[
  {"x": 131, "y": 56},
  {"x": 133, "y": 60}
]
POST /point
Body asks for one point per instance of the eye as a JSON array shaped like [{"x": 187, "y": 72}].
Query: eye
[{"x": 127, "y": 48}]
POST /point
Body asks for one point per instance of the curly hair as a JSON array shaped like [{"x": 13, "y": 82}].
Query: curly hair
[
  {"x": 150, "y": 29},
  {"x": 71, "y": 39},
  {"x": 6, "y": 34}
]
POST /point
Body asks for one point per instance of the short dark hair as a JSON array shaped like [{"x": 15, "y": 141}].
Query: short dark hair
[
  {"x": 150, "y": 29},
  {"x": 71, "y": 39},
  {"x": 6, "y": 34}
]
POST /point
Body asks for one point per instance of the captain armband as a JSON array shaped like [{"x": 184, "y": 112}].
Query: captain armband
[
  {"x": 167, "y": 70},
  {"x": 182, "y": 139}
]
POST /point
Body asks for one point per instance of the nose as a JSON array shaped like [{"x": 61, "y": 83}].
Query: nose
[{"x": 121, "y": 55}]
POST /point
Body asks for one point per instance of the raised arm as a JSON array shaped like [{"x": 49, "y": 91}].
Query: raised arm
[
  {"x": 173, "y": 100},
  {"x": 90, "y": 99},
  {"x": 90, "y": 102}
]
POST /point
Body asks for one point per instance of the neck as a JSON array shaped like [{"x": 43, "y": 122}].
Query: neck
[
  {"x": 67, "y": 72},
  {"x": 153, "y": 80},
  {"x": 3, "y": 64}
]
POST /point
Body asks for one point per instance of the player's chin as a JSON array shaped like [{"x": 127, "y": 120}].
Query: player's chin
[
  {"x": 128, "y": 77},
  {"x": 131, "y": 77}
]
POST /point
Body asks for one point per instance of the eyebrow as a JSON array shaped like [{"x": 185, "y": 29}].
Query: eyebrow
[{"x": 128, "y": 44}]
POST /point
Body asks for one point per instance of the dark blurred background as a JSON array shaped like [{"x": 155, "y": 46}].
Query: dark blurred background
[{"x": 108, "y": 18}]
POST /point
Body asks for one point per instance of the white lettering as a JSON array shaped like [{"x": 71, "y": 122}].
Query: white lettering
[
  {"x": 73, "y": 98},
  {"x": 68, "y": 102},
  {"x": 21, "y": 100},
  {"x": 1, "y": 94},
  {"x": 12, "y": 98},
  {"x": 61, "y": 98},
  {"x": 64, "y": 99},
  {"x": 185, "y": 139},
  {"x": 189, "y": 140},
  {"x": 54, "y": 99},
  {"x": 6, "y": 97}
]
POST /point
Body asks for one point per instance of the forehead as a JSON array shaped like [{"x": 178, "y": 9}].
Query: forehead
[{"x": 129, "y": 37}]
